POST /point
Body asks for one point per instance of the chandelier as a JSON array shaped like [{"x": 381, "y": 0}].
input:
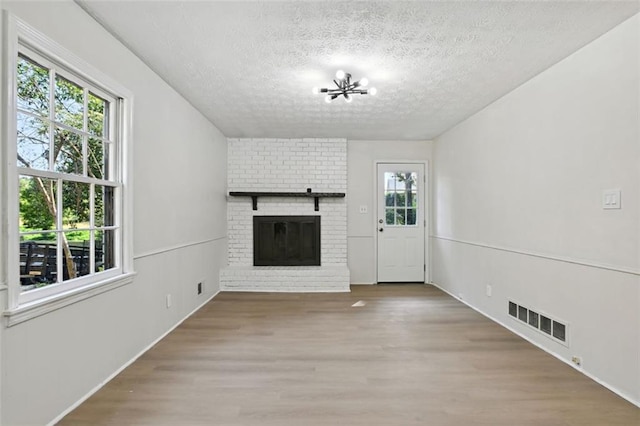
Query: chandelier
[{"x": 345, "y": 87}]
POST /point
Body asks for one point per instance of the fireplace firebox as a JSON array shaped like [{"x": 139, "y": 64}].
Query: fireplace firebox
[{"x": 286, "y": 240}]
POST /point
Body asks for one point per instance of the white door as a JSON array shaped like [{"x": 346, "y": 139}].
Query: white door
[{"x": 401, "y": 222}]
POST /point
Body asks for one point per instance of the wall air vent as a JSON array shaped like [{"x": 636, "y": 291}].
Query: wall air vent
[{"x": 556, "y": 330}]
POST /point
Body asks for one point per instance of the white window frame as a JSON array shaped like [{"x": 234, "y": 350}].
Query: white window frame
[{"x": 22, "y": 306}]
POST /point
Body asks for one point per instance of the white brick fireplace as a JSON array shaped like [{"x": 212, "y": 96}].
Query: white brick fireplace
[{"x": 287, "y": 165}]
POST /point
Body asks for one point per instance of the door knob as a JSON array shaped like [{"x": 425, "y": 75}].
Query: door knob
[
  {"x": 381, "y": 229},
  {"x": 379, "y": 220}
]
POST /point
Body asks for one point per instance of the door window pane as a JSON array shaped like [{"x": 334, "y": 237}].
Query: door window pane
[
  {"x": 390, "y": 217},
  {"x": 389, "y": 199},
  {"x": 413, "y": 199},
  {"x": 389, "y": 181},
  {"x": 411, "y": 216}
]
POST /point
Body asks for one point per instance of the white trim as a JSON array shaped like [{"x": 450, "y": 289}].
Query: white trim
[
  {"x": 63, "y": 287},
  {"x": 8, "y": 151},
  {"x": 125, "y": 157},
  {"x": 27, "y": 311},
  {"x": 66, "y": 127},
  {"x": 26, "y": 171},
  {"x": 287, "y": 290},
  {"x": 126, "y": 364},
  {"x": 176, "y": 247},
  {"x": 533, "y": 342},
  {"x": 43, "y": 45},
  {"x": 589, "y": 264}
]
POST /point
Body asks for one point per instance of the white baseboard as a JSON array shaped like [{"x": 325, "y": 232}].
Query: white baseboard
[
  {"x": 277, "y": 289},
  {"x": 126, "y": 364},
  {"x": 586, "y": 373}
]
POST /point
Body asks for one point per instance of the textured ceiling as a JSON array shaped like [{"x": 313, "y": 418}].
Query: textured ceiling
[{"x": 250, "y": 66}]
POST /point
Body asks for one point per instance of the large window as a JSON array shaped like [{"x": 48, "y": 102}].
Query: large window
[{"x": 69, "y": 172}]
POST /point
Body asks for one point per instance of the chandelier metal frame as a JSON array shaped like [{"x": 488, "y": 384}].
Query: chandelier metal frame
[{"x": 345, "y": 87}]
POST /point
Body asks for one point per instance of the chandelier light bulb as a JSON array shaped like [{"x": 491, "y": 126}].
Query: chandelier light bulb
[{"x": 345, "y": 86}]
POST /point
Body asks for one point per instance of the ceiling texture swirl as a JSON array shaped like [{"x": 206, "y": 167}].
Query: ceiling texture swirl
[{"x": 249, "y": 67}]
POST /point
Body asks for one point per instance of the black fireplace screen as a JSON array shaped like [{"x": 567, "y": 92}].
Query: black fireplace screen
[{"x": 286, "y": 240}]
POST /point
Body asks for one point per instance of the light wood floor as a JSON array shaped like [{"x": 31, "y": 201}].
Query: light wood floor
[{"x": 411, "y": 356}]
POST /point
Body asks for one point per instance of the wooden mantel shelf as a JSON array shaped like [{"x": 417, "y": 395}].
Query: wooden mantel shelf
[{"x": 308, "y": 194}]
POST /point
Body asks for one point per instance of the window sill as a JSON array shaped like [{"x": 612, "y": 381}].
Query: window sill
[{"x": 36, "y": 308}]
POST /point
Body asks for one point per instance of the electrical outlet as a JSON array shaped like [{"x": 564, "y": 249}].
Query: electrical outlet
[
  {"x": 576, "y": 360},
  {"x": 363, "y": 209},
  {"x": 200, "y": 288},
  {"x": 168, "y": 301},
  {"x": 489, "y": 290}
]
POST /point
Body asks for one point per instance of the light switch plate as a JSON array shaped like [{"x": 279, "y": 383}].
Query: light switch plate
[{"x": 611, "y": 199}]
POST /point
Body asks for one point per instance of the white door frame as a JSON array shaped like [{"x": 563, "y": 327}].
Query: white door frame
[{"x": 425, "y": 193}]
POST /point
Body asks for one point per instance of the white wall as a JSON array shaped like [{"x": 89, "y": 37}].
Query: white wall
[
  {"x": 361, "y": 183},
  {"x": 50, "y": 362},
  {"x": 518, "y": 205}
]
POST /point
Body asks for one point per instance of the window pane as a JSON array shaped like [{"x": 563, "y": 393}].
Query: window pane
[
  {"x": 33, "y": 87},
  {"x": 37, "y": 260},
  {"x": 97, "y": 152},
  {"x": 389, "y": 181},
  {"x": 98, "y": 113},
  {"x": 105, "y": 244},
  {"x": 37, "y": 203},
  {"x": 390, "y": 217},
  {"x": 411, "y": 216},
  {"x": 33, "y": 142},
  {"x": 413, "y": 199},
  {"x": 78, "y": 252},
  {"x": 69, "y": 103},
  {"x": 400, "y": 199},
  {"x": 401, "y": 216},
  {"x": 68, "y": 150},
  {"x": 389, "y": 198},
  {"x": 76, "y": 206},
  {"x": 103, "y": 204}
]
